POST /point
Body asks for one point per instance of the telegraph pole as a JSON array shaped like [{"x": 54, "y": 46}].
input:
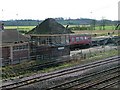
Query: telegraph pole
[
  {"x": 91, "y": 23},
  {"x": 103, "y": 23},
  {"x": 17, "y": 27}
]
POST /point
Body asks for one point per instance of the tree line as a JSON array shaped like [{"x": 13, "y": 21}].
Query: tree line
[{"x": 81, "y": 21}]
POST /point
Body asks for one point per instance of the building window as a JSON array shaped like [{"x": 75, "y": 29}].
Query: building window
[
  {"x": 47, "y": 41},
  {"x": 81, "y": 38},
  {"x": 22, "y": 47},
  {"x": 77, "y": 39},
  {"x": 14, "y": 48},
  {"x": 73, "y": 39},
  {"x": 43, "y": 42}
]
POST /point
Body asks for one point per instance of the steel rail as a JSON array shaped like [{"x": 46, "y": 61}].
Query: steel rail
[
  {"x": 84, "y": 77},
  {"x": 56, "y": 74}
]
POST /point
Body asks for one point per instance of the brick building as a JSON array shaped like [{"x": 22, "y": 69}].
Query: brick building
[
  {"x": 14, "y": 47},
  {"x": 49, "y": 39},
  {"x": 46, "y": 46}
]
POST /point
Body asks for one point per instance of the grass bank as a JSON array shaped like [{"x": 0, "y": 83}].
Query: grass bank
[{"x": 11, "y": 72}]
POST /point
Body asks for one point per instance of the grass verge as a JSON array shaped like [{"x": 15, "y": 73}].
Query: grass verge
[{"x": 11, "y": 72}]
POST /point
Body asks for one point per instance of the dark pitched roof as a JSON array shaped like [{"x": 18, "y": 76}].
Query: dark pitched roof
[
  {"x": 49, "y": 26},
  {"x": 10, "y": 36}
]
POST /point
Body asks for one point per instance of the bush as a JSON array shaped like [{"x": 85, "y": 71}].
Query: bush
[{"x": 79, "y": 28}]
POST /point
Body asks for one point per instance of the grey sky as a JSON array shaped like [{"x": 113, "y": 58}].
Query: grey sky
[{"x": 41, "y": 9}]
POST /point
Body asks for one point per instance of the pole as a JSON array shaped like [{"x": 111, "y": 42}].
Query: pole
[{"x": 17, "y": 28}]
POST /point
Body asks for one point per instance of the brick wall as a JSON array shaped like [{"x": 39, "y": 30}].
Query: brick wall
[
  {"x": 5, "y": 52},
  {"x": 20, "y": 54}
]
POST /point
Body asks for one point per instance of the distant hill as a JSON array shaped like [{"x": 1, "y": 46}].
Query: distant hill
[
  {"x": 81, "y": 21},
  {"x": 22, "y": 22}
]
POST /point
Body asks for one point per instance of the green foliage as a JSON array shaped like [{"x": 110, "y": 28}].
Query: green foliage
[
  {"x": 79, "y": 21},
  {"x": 79, "y": 28},
  {"x": 22, "y": 22}
]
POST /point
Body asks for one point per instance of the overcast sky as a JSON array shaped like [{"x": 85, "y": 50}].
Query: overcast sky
[{"x": 41, "y": 9}]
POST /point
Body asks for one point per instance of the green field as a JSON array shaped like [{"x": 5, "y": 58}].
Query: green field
[
  {"x": 98, "y": 30},
  {"x": 24, "y": 28},
  {"x": 106, "y": 28},
  {"x": 27, "y": 28},
  {"x": 88, "y": 27}
]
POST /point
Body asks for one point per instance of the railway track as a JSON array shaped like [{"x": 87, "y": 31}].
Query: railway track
[
  {"x": 109, "y": 84},
  {"x": 58, "y": 74},
  {"x": 85, "y": 81},
  {"x": 99, "y": 81}
]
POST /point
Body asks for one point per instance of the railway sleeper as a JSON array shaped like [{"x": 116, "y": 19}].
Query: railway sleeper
[{"x": 79, "y": 80}]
